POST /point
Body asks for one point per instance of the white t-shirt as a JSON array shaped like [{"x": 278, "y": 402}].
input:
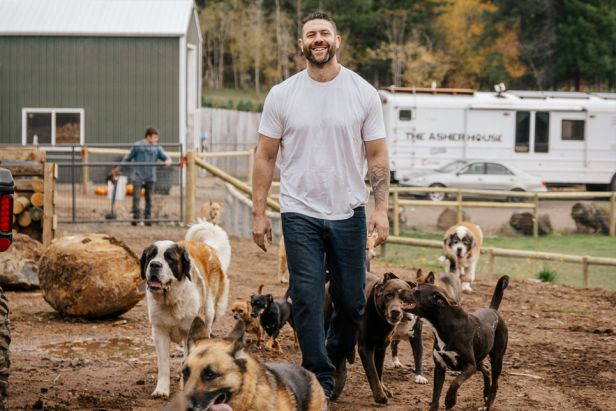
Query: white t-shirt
[{"x": 322, "y": 128}]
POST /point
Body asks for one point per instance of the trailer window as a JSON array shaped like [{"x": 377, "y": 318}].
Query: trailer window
[
  {"x": 542, "y": 131},
  {"x": 522, "y": 131},
  {"x": 573, "y": 130},
  {"x": 405, "y": 115}
]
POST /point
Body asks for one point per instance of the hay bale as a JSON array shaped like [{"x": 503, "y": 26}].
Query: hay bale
[
  {"x": 449, "y": 217},
  {"x": 19, "y": 264},
  {"x": 91, "y": 276},
  {"x": 523, "y": 223}
]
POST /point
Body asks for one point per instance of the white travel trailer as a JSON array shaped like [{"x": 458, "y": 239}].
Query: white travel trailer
[{"x": 561, "y": 137}]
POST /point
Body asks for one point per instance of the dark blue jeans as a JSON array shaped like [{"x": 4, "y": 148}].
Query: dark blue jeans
[
  {"x": 148, "y": 188},
  {"x": 307, "y": 241}
]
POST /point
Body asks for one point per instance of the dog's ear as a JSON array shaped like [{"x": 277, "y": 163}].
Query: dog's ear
[
  {"x": 430, "y": 278},
  {"x": 198, "y": 332},
  {"x": 237, "y": 333},
  {"x": 236, "y": 336},
  {"x": 439, "y": 299},
  {"x": 419, "y": 273},
  {"x": 184, "y": 262},
  {"x": 143, "y": 263},
  {"x": 389, "y": 276}
]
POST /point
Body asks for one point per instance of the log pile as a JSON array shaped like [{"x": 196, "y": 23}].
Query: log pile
[{"x": 33, "y": 207}]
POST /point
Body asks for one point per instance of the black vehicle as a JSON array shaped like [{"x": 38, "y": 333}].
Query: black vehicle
[{"x": 6, "y": 238}]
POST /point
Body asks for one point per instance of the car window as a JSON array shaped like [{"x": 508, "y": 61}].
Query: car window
[
  {"x": 450, "y": 167},
  {"x": 497, "y": 169},
  {"x": 475, "y": 168}
]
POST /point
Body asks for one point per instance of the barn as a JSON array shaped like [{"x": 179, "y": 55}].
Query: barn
[{"x": 91, "y": 72}]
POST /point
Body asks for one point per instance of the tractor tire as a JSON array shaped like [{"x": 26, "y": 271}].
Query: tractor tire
[{"x": 5, "y": 360}]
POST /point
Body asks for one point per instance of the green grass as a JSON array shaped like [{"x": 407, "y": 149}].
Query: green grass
[
  {"x": 246, "y": 100},
  {"x": 565, "y": 273}
]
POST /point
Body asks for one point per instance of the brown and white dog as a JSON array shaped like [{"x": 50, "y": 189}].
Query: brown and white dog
[
  {"x": 241, "y": 310},
  {"x": 184, "y": 280},
  {"x": 212, "y": 211},
  {"x": 461, "y": 249}
]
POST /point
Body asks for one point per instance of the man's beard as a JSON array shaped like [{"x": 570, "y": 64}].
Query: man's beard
[{"x": 331, "y": 52}]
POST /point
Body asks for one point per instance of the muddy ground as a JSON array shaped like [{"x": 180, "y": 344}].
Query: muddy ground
[{"x": 561, "y": 356}]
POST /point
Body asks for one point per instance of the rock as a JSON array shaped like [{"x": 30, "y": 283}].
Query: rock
[
  {"x": 449, "y": 217},
  {"x": 590, "y": 218},
  {"x": 523, "y": 223},
  {"x": 90, "y": 276},
  {"x": 19, "y": 264}
]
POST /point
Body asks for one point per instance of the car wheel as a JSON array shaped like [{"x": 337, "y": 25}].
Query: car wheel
[
  {"x": 437, "y": 196},
  {"x": 5, "y": 340},
  {"x": 516, "y": 199}
]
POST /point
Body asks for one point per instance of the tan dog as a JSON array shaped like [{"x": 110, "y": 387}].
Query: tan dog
[
  {"x": 461, "y": 249},
  {"x": 449, "y": 283},
  {"x": 220, "y": 376},
  {"x": 241, "y": 310},
  {"x": 370, "y": 250},
  {"x": 212, "y": 211},
  {"x": 184, "y": 280}
]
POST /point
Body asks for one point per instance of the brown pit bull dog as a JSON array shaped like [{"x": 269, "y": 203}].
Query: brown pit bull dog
[
  {"x": 384, "y": 310},
  {"x": 462, "y": 340}
]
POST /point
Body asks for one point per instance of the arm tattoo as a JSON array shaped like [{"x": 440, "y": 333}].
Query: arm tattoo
[{"x": 379, "y": 179}]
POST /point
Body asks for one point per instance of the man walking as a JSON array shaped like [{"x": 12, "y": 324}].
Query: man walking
[
  {"x": 145, "y": 151},
  {"x": 326, "y": 121}
]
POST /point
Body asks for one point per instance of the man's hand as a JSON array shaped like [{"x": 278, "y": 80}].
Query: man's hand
[
  {"x": 380, "y": 222},
  {"x": 260, "y": 230},
  {"x": 167, "y": 162}
]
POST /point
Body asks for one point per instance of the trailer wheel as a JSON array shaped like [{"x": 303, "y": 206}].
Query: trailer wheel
[
  {"x": 5, "y": 340},
  {"x": 437, "y": 196}
]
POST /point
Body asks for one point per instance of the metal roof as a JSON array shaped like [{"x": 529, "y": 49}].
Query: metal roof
[
  {"x": 166, "y": 18},
  {"x": 548, "y": 94}
]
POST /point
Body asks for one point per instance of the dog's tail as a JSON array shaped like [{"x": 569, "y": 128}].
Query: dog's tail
[
  {"x": 502, "y": 283},
  {"x": 260, "y": 289},
  {"x": 215, "y": 237}
]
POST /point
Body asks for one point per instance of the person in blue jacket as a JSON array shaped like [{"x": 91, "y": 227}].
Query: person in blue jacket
[{"x": 145, "y": 151}]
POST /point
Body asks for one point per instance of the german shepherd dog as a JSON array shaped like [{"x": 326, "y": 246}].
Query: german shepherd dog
[
  {"x": 220, "y": 376},
  {"x": 461, "y": 340}
]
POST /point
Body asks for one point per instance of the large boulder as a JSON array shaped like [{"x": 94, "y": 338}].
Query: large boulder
[
  {"x": 590, "y": 218},
  {"x": 523, "y": 223},
  {"x": 91, "y": 276},
  {"x": 19, "y": 264},
  {"x": 449, "y": 217}
]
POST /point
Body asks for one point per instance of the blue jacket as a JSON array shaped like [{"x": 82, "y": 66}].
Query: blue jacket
[{"x": 142, "y": 152}]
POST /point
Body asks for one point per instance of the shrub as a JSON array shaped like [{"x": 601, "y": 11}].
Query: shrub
[
  {"x": 206, "y": 102},
  {"x": 546, "y": 275},
  {"x": 244, "y": 105}
]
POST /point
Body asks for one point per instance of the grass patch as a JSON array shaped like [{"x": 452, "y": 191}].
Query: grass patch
[
  {"x": 546, "y": 275},
  {"x": 567, "y": 273},
  {"x": 563, "y": 310},
  {"x": 229, "y": 98}
]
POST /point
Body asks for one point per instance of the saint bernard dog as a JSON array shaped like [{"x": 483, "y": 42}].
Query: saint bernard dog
[
  {"x": 461, "y": 249},
  {"x": 184, "y": 279}
]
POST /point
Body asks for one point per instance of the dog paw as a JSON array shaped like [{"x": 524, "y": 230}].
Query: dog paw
[
  {"x": 397, "y": 364},
  {"x": 380, "y": 398},
  {"x": 161, "y": 393},
  {"x": 388, "y": 392},
  {"x": 450, "y": 401},
  {"x": 420, "y": 379}
]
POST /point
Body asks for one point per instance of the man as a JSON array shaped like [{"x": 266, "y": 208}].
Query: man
[
  {"x": 325, "y": 121},
  {"x": 145, "y": 151}
]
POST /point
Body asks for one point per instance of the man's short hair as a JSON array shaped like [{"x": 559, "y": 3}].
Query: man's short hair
[
  {"x": 151, "y": 130},
  {"x": 318, "y": 15}
]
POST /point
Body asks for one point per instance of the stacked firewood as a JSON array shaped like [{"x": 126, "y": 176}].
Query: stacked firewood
[{"x": 28, "y": 206}]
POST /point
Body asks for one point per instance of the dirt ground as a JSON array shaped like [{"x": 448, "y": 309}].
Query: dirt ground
[{"x": 561, "y": 356}]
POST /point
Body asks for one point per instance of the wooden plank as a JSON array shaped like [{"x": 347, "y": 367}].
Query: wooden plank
[
  {"x": 49, "y": 212},
  {"x": 28, "y": 184},
  {"x": 21, "y": 153},
  {"x": 23, "y": 168},
  {"x": 191, "y": 188}
]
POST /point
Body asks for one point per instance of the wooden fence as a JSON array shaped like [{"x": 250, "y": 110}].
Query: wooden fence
[
  {"x": 585, "y": 261},
  {"x": 532, "y": 202}
]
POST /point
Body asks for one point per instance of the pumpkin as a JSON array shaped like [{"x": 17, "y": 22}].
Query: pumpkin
[{"x": 100, "y": 190}]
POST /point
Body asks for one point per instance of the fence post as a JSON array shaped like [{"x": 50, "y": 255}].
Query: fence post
[
  {"x": 85, "y": 179},
  {"x": 251, "y": 163},
  {"x": 585, "y": 270},
  {"x": 191, "y": 188},
  {"x": 395, "y": 213},
  {"x": 459, "y": 206},
  {"x": 612, "y": 216},
  {"x": 491, "y": 261},
  {"x": 536, "y": 216}
]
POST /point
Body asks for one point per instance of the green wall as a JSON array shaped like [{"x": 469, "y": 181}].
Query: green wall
[{"x": 123, "y": 84}]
